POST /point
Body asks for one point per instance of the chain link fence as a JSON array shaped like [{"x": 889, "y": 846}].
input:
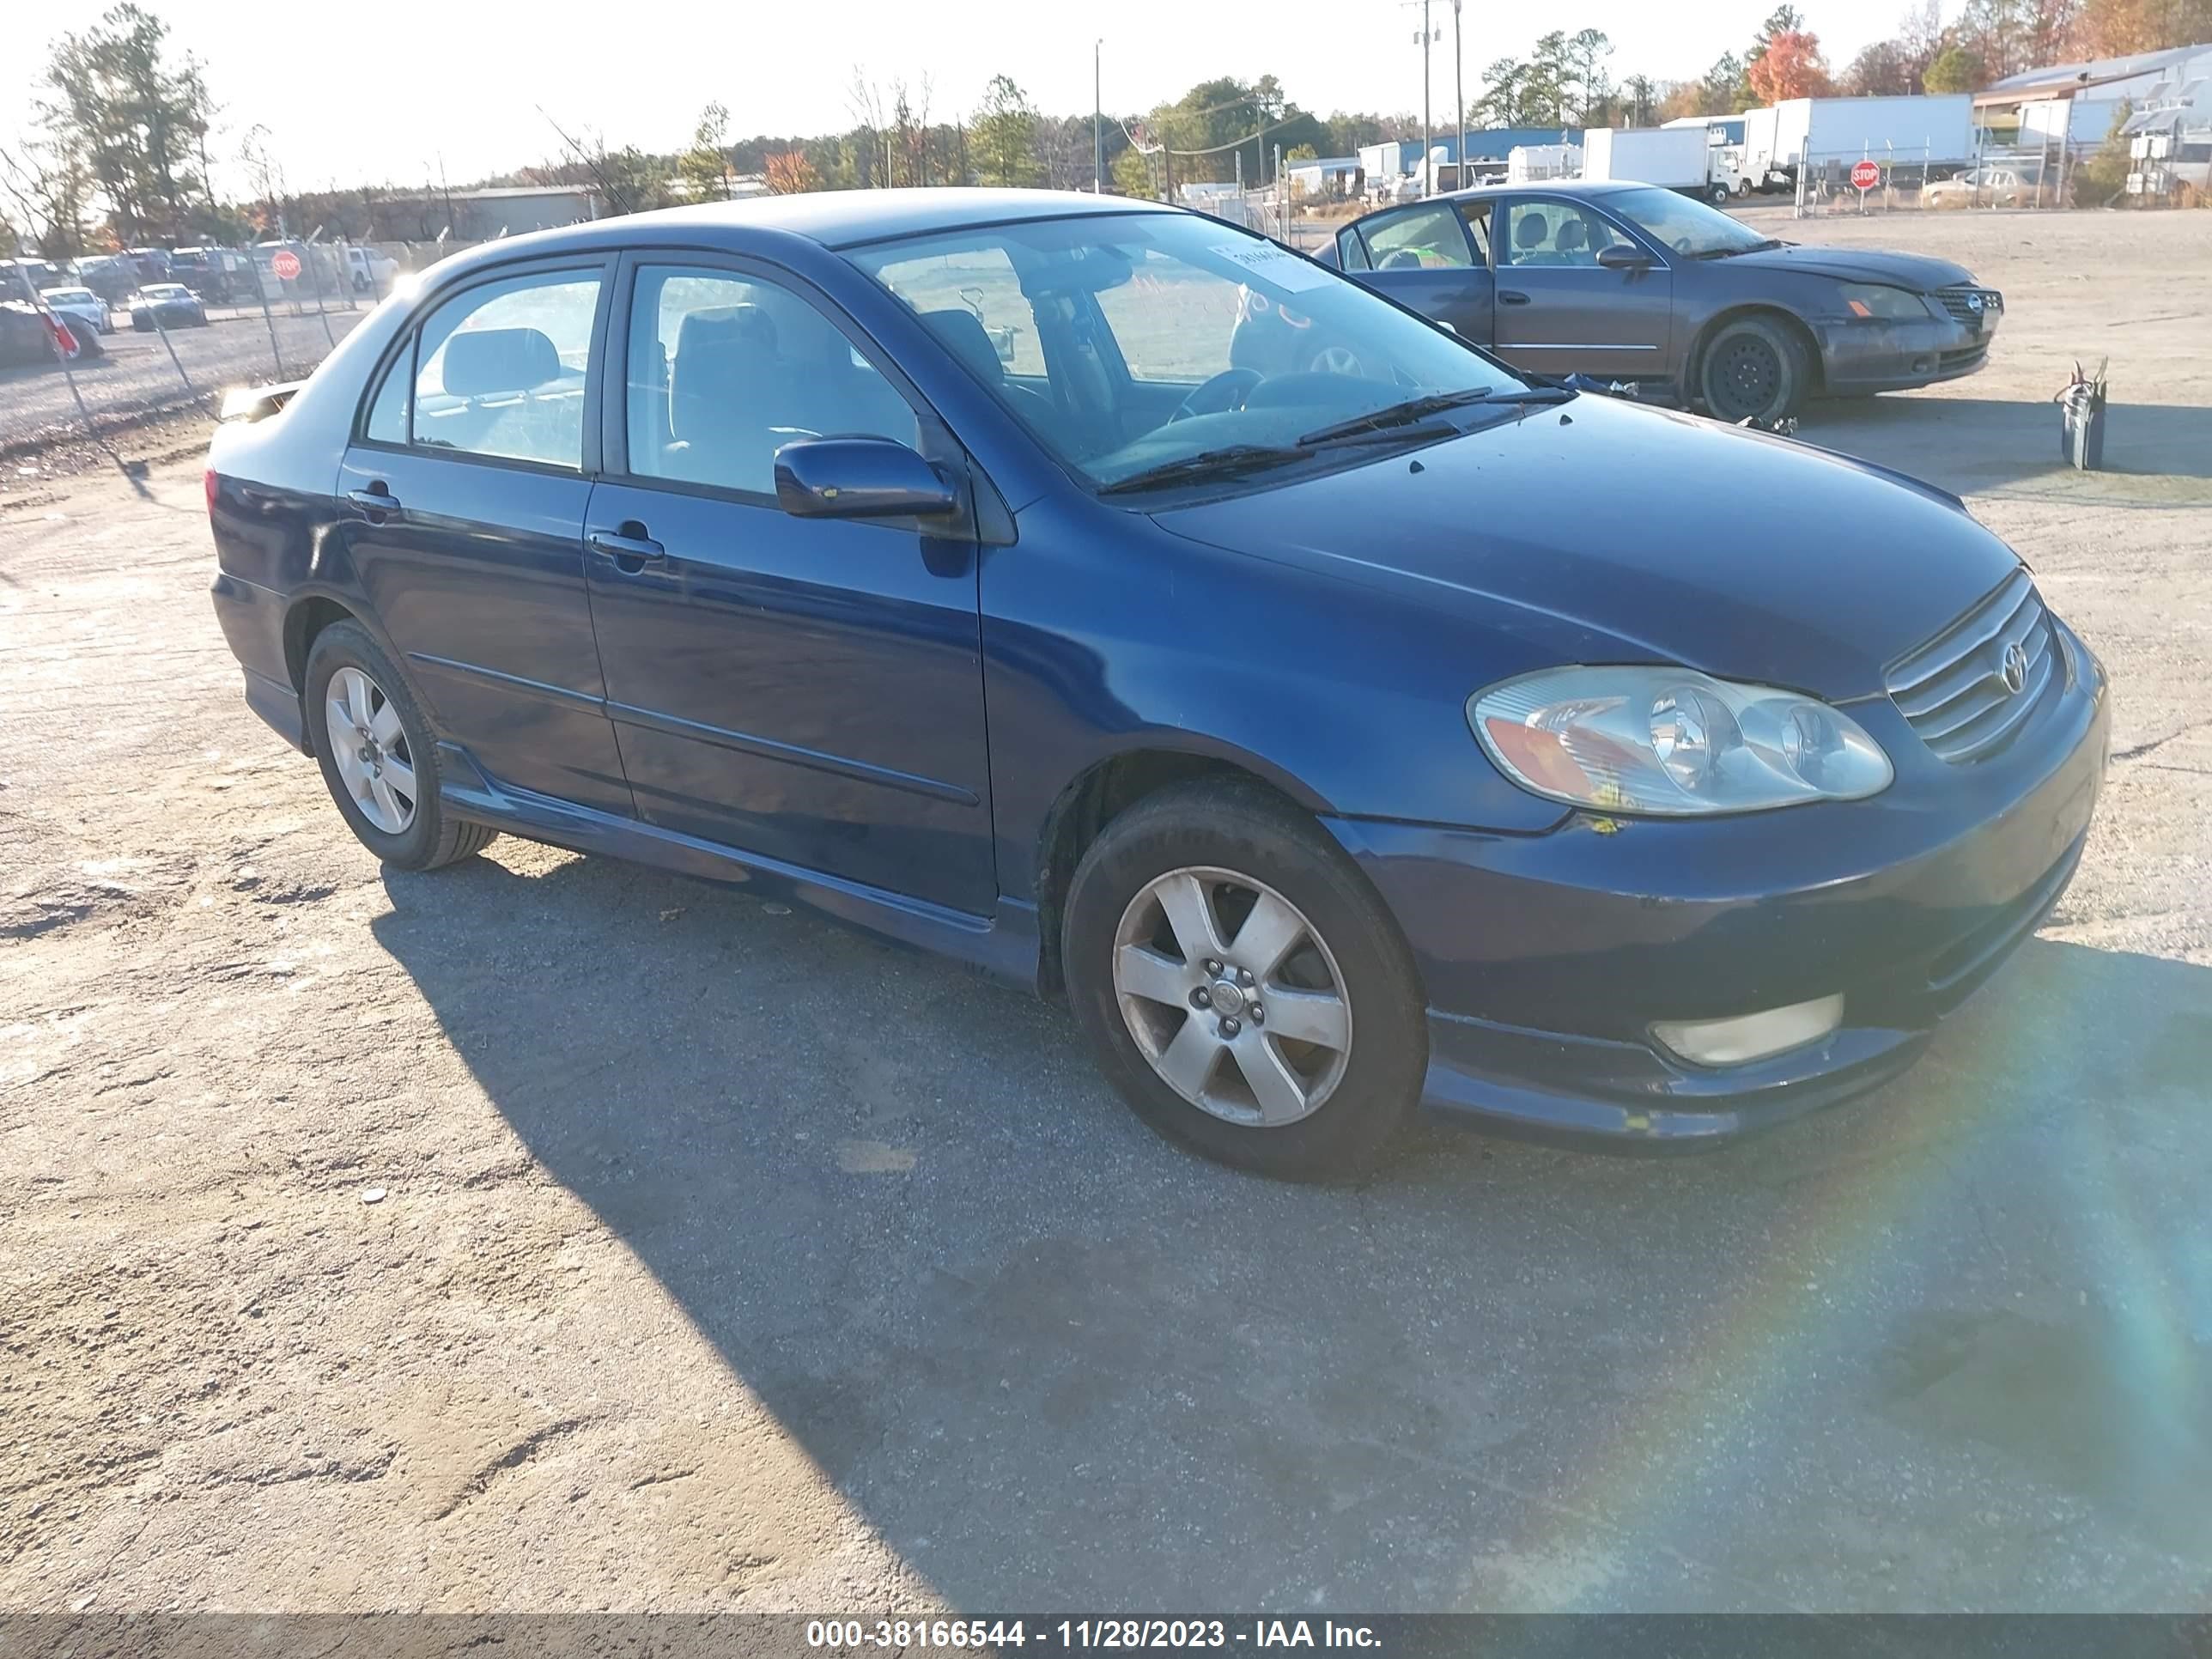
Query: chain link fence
[
  {"x": 1889, "y": 180},
  {"x": 163, "y": 332}
]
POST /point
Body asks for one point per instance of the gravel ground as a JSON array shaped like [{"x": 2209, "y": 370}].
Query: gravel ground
[
  {"x": 135, "y": 379},
  {"x": 551, "y": 1234}
]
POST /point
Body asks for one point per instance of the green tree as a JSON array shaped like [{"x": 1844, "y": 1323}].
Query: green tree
[
  {"x": 135, "y": 121},
  {"x": 705, "y": 167},
  {"x": 1504, "y": 87},
  {"x": 1003, "y": 135},
  {"x": 1956, "y": 69},
  {"x": 1133, "y": 175}
]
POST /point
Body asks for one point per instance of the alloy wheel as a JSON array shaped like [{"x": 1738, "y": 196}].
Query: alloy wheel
[
  {"x": 1232, "y": 997},
  {"x": 369, "y": 747}
]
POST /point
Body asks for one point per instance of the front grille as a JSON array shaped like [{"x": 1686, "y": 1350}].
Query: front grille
[
  {"x": 1964, "y": 357},
  {"x": 1953, "y": 689},
  {"x": 1960, "y": 301}
]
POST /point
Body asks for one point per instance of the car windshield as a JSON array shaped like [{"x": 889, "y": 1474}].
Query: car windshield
[
  {"x": 68, "y": 296},
  {"x": 1675, "y": 221},
  {"x": 1136, "y": 345},
  {"x": 166, "y": 291}
]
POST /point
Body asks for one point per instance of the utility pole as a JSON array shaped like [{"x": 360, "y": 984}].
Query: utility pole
[
  {"x": 1428, "y": 168},
  {"x": 1097, "y": 126},
  {"x": 1459, "y": 97}
]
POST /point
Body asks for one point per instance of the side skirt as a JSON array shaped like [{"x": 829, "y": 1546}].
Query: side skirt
[{"x": 1004, "y": 945}]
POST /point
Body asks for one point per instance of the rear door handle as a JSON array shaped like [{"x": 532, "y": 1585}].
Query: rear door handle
[
  {"x": 1511, "y": 296},
  {"x": 378, "y": 503},
  {"x": 631, "y": 553}
]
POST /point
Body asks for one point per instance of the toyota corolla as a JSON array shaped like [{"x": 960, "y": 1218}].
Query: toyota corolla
[{"x": 1337, "y": 738}]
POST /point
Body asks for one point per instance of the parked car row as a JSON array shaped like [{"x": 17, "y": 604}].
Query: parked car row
[{"x": 1342, "y": 716}]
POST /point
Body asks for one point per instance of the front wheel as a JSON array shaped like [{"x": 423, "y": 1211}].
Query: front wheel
[
  {"x": 1753, "y": 370},
  {"x": 1719, "y": 194},
  {"x": 1243, "y": 986}
]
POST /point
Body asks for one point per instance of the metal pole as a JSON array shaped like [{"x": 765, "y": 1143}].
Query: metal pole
[
  {"x": 1428, "y": 177},
  {"x": 315, "y": 274},
  {"x": 54, "y": 342},
  {"x": 1459, "y": 97},
  {"x": 1097, "y": 126},
  {"x": 253, "y": 271}
]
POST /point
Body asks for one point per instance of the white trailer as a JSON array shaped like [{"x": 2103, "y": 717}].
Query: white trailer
[
  {"x": 2084, "y": 122},
  {"x": 1528, "y": 164},
  {"x": 1675, "y": 157},
  {"x": 1936, "y": 130}
]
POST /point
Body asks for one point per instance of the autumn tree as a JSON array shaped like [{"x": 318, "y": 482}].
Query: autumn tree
[
  {"x": 788, "y": 173},
  {"x": 1790, "y": 67}
]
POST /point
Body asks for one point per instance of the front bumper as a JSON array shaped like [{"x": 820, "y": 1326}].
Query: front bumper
[
  {"x": 1864, "y": 356},
  {"x": 1546, "y": 959}
]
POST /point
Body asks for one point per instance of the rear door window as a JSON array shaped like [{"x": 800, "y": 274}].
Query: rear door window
[
  {"x": 499, "y": 370},
  {"x": 1425, "y": 238}
]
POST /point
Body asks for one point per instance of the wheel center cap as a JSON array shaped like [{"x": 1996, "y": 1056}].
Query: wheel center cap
[{"x": 1228, "y": 999}]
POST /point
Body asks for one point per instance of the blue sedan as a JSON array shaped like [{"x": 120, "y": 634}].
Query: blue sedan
[{"x": 1382, "y": 730}]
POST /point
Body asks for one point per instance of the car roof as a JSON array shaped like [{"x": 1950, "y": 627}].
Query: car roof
[
  {"x": 836, "y": 219},
  {"x": 1549, "y": 186}
]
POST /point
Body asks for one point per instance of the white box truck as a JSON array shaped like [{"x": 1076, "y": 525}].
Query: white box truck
[
  {"x": 1675, "y": 157},
  {"x": 1739, "y": 152},
  {"x": 1937, "y": 130}
]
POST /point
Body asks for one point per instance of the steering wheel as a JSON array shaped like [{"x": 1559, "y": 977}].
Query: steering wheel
[{"x": 1224, "y": 391}]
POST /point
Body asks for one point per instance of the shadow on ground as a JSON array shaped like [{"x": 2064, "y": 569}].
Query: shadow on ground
[
  {"x": 1943, "y": 1348},
  {"x": 1967, "y": 445}
]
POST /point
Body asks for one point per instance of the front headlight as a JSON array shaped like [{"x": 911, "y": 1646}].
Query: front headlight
[
  {"x": 1672, "y": 742},
  {"x": 1893, "y": 305}
]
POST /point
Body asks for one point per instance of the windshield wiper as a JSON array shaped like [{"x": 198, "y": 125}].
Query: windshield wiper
[
  {"x": 1409, "y": 413},
  {"x": 1730, "y": 252},
  {"x": 1225, "y": 462}
]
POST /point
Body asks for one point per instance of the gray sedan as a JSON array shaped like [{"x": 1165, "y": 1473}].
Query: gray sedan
[{"x": 1632, "y": 282}]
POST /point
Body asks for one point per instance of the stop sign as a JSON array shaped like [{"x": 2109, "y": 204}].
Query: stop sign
[
  {"x": 286, "y": 264},
  {"x": 1865, "y": 176}
]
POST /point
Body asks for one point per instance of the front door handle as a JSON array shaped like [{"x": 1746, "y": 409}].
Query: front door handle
[
  {"x": 631, "y": 553},
  {"x": 378, "y": 502},
  {"x": 1511, "y": 296}
]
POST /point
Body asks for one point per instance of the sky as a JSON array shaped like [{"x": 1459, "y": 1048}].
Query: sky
[{"x": 392, "y": 93}]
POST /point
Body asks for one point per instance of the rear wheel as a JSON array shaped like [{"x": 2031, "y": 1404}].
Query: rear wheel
[
  {"x": 1244, "y": 988},
  {"x": 1755, "y": 370},
  {"x": 378, "y": 755}
]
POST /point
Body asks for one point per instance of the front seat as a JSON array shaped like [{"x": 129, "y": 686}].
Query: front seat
[
  {"x": 1528, "y": 242},
  {"x": 962, "y": 334},
  {"x": 1573, "y": 239}
]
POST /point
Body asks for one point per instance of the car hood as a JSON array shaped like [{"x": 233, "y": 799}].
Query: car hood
[
  {"x": 1599, "y": 530},
  {"x": 1851, "y": 264}
]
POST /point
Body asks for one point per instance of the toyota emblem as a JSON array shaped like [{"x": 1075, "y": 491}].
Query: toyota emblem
[{"x": 2015, "y": 671}]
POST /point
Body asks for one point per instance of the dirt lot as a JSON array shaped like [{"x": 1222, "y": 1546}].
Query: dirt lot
[{"x": 547, "y": 1233}]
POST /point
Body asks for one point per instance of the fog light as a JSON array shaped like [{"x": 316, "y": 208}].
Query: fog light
[{"x": 1751, "y": 1036}]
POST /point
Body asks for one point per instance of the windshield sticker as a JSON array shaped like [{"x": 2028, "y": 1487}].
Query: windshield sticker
[{"x": 1273, "y": 265}]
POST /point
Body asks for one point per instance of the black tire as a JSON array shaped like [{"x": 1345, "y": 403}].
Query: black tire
[
  {"x": 1753, "y": 368},
  {"x": 434, "y": 837},
  {"x": 1239, "y": 826},
  {"x": 1718, "y": 195}
]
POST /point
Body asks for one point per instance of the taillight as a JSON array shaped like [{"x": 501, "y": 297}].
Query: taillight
[{"x": 214, "y": 488}]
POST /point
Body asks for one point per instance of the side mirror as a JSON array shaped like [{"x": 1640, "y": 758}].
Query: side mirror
[
  {"x": 1325, "y": 254},
  {"x": 860, "y": 478},
  {"x": 1620, "y": 257}
]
